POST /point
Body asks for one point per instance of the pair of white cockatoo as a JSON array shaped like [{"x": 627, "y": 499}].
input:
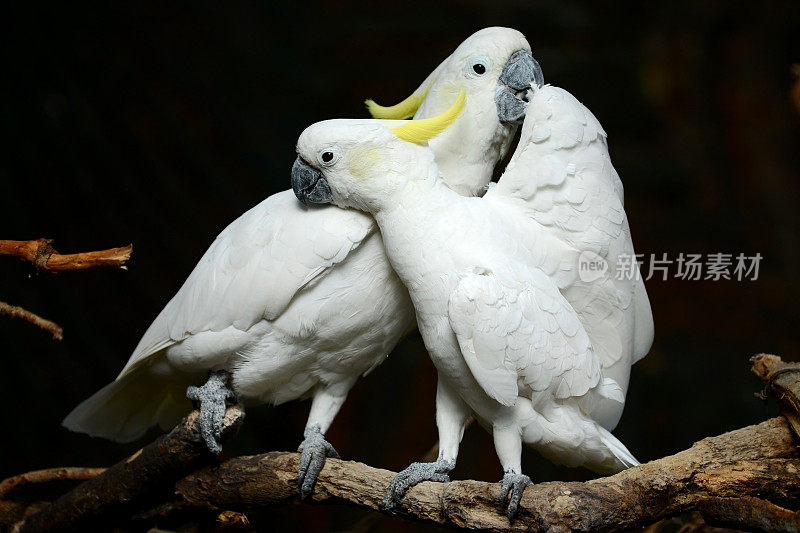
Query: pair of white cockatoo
[{"x": 292, "y": 301}]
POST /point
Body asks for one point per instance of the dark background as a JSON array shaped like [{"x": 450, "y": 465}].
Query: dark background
[{"x": 158, "y": 123}]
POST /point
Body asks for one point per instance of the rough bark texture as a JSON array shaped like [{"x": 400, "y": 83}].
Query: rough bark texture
[
  {"x": 738, "y": 479},
  {"x": 41, "y": 254},
  {"x": 749, "y": 513},
  {"x": 144, "y": 478},
  {"x": 760, "y": 460},
  {"x": 782, "y": 380}
]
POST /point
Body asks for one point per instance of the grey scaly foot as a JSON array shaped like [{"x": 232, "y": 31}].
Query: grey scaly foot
[
  {"x": 416, "y": 473},
  {"x": 314, "y": 450},
  {"x": 213, "y": 398},
  {"x": 511, "y": 494}
]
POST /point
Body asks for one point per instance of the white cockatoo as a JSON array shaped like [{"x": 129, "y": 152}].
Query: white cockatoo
[
  {"x": 292, "y": 302},
  {"x": 495, "y": 67},
  {"x": 562, "y": 172},
  {"x": 483, "y": 276}
]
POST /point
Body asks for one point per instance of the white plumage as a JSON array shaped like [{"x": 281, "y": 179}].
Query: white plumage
[
  {"x": 562, "y": 171},
  {"x": 506, "y": 342},
  {"x": 294, "y": 301},
  {"x": 519, "y": 340},
  {"x": 518, "y": 336}
]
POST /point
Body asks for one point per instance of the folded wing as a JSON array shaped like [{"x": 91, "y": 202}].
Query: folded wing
[
  {"x": 253, "y": 270},
  {"x": 519, "y": 335},
  {"x": 562, "y": 172}
]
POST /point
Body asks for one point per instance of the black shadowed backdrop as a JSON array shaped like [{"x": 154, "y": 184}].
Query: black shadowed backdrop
[{"x": 157, "y": 124}]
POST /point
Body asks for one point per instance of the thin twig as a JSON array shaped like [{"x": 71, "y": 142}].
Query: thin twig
[
  {"x": 11, "y": 487},
  {"x": 41, "y": 254},
  {"x": 15, "y": 311}
]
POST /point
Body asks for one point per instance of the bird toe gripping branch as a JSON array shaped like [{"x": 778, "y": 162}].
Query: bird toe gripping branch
[{"x": 213, "y": 398}]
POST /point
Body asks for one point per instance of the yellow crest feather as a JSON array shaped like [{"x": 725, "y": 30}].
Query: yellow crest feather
[
  {"x": 422, "y": 130},
  {"x": 403, "y": 110}
]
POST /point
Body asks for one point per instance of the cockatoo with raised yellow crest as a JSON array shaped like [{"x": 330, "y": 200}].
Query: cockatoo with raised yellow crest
[
  {"x": 484, "y": 279},
  {"x": 291, "y": 301}
]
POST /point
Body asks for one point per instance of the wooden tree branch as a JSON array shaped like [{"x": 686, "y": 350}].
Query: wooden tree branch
[
  {"x": 760, "y": 460},
  {"x": 750, "y": 513},
  {"x": 10, "y": 488},
  {"x": 41, "y": 254},
  {"x": 143, "y": 479},
  {"x": 27, "y": 493},
  {"x": 18, "y": 312},
  {"x": 782, "y": 380},
  {"x": 739, "y": 479}
]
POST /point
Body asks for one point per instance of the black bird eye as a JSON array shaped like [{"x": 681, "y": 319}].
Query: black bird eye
[
  {"x": 327, "y": 157},
  {"x": 479, "y": 68}
]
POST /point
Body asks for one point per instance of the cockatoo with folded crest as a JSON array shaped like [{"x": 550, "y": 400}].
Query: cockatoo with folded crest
[
  {"x": 562, "y": 177},
  {"x": 484, "y": 279},
  {"x": 291, "y": 301}
]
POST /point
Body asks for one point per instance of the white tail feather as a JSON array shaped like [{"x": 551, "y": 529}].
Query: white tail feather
[
  {"x": 125, "y": 409},
  {"x": 625, "y": 458}
]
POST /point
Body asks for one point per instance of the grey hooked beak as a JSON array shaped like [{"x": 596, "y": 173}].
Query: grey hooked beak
[
  {"x": 309, "y": 185},
  {"x": 519, "y": 73}
]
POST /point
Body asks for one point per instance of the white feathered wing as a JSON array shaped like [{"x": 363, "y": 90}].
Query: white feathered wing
[
  {"x": 563, "y": 173},
  {"x": 521, "y": 339},
  {"x": 247, "y": 278}
]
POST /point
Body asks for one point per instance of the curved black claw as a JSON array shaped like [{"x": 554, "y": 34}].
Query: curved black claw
[
  {"x": 415, "y": 473},
  {"x": 213, "y": 398},
  {"x": 314, "y": 450},
  {"x": 513, "y": 485}
]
